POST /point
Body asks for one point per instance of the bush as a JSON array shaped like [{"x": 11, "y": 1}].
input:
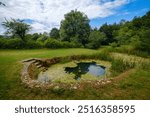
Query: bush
[
  {"x": 92, "y": 46},
  {"x": 42, "y": 38},
  {"x": 144, "y": 44},
  {"x": 95, "y": 39},
  {"x": 12, "y": 44},
  {"x": 52, "y": 43},
  {"x": 33, "y": 44},
  {"x": 2, "y": 43},
  {"x": 114, "y": 44},
  {"x": 67, "y": 44}
]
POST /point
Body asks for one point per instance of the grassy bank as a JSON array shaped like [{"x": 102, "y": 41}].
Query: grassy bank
[{"x": 132, "y": 85}]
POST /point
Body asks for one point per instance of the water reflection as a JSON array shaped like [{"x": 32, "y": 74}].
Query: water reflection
[{"x": 84, "y": 68}]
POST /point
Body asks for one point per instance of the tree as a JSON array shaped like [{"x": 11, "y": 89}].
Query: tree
[
  {"x": 95, "y": 39},
  {"x": 109, "y": 31},
  {"x": 16, "y": 28},
  {"x": 54, "y": 33},
  {"x": 75, "y": 26},
  {"x": 35, "y": 36},
  {"x": 124, "y": 35},
  {"x": 145, "y": 40}
]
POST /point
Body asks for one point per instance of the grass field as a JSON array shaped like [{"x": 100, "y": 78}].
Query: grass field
[{"x": 132, "y": 84}]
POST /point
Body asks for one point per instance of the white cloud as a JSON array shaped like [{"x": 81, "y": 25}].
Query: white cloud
[{"x": 48, "y": 13}]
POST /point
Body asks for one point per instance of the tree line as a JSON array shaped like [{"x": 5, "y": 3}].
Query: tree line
[{"x": 75, "y": 31}]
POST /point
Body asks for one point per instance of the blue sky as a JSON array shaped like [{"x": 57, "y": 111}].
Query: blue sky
[
  {"x": 43, "y": 15},
  {"x": 127, "y": 12}
]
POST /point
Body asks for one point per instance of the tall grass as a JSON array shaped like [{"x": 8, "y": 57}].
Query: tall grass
[
  {"x": 144, "y": 65},
  {"x": 119, "y": 65},
  {"x": 129, "y": 50},
  {"x": 104, "y": 55}
]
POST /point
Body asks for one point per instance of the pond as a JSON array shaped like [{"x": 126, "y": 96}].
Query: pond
[
  {"x": 73, "y": 71},
  {"x": 84, "y": 68}
]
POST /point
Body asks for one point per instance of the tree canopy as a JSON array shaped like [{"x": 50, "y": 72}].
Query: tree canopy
[
  {"x": 16, "y": 28},
  {"x": 54, "y": 33},
  {"x": 75, "y": 27},
  {"x": 75, "y": 31},
  {"x": 95, "y": 39},
  {"x": 109, "y": 31}
]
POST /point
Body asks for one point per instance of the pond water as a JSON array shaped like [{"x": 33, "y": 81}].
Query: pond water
[
  {"x": 69, "y": 72},
  {"x": 84, "y": 68}
]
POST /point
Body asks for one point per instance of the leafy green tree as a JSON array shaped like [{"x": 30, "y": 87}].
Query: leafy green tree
[
  {"x": 52, "y": 43},
  {"x": 146, "y": 20},
  {"x": 124, "y": 35},
  {"x": 35, "y": 36},
  {"x": 137, "y": 23},
  {"x": 75, "y": 26},
  {"x": 95, "y": 39},
  {"x": 54, "y": 33},
  {"x": 145, "y": 40},
  {"x": 16, "y": 28},
  {"x": 109, "y": 31}
]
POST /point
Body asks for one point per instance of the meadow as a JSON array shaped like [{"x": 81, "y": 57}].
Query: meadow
[{"x": 129, "y": 83}]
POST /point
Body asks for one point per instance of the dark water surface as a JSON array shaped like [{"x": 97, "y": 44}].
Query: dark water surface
[{"x": 84, "y": 68}]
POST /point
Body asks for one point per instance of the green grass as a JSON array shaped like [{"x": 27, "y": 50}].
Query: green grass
[
  {"x": 133, "y": 86},
  {"x": 10, "y": 69}
]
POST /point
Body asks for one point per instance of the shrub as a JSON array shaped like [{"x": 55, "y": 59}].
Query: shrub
[
  {"x": 67, "y": 44},
  {"x": 42, "y": 38},
  {"x": 92, "y": 46},
  {"x": 13, "y": 44},
  {"x": 95, "y": 39},
  {"x": 2, "y": 43},
  {"x": 144, "y": 43},
  {"x": 114, "y": 44},
  {"x": 33, "y": 44},
  {"x": 52, "y": 43}
]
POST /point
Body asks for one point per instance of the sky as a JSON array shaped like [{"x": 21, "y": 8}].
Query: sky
[{"x": 43, "y": 15}]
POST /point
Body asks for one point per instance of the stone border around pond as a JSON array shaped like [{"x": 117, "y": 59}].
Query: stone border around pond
[{"x": 43, "y": 64}]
